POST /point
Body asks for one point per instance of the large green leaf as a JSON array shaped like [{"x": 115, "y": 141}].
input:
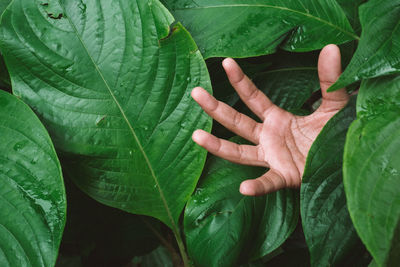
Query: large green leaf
[
  {"x": 328, "y": 229},
  {"x": 244, "y": 28},
  {"x": 32, "y": 194},
  {"x": 112, "y": 84},
  {"x": 372, "y": 169},
  {"x": 223, "y": 227},
  {"x": 378, "y": 52}
]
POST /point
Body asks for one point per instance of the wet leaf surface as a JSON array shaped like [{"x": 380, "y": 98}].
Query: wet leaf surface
[
  {"x": 231, "y": 28},
  {"x": 372, "y": 168},
  {"x": 112, "y": 84},
  {"x": 32, "y": 194},
  {"x": 378, "y": 51},
  {"x": 225, "y": 228},
  {"x": 328, "y": 229}
]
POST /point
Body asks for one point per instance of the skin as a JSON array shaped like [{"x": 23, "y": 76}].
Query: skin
[{"x": 282, "y": 140}]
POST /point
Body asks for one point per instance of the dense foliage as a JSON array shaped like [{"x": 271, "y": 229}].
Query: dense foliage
[{"x": 108, "y": 83}]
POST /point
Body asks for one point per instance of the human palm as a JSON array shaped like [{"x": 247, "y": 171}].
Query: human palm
[{"x": 282, "y": 140}]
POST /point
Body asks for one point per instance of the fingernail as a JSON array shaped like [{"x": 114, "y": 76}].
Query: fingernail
[
  {"x": 227, "y": 62},
  {"x": 194, "y": 92}
]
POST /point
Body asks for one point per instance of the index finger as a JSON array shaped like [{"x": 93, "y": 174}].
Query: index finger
[{"x": 256, "y": 100}]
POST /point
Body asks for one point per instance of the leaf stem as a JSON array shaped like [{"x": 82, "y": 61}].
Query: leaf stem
[
  {"x": 163, "y": 241},
  {"x": 169, "y": 247},
  {"x": 182, "y": 249}
]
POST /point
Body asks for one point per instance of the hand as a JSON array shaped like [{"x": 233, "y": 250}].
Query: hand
[{"x": 283, "y": 140}]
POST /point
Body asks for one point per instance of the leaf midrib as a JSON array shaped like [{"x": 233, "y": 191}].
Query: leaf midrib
[
  {"x": 353, "y": 35},
  {"x": 175, "y": 229}
]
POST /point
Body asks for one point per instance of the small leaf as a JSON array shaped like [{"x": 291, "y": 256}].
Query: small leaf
[
  {"x": 372, "y": 168},
  {"x": 328, "y": 229},
  {"x": 32, "y": 194},
  {"x": 378, "y": 52},
  {"x": 245, "y": 28},
  {"x": 224, "y": 228},
  {"x": 112, "y": 83}
]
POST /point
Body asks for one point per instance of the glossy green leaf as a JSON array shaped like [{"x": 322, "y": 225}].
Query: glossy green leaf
[
  {"x": 32, "y": 194},
  {"x": 245, "y": 28},
  {"x": 224, "y": 228},
  {"x": 279, "y": 218},
  {"x": 112, "y": 84},
  {"x": 378, "y": 52},
  {"x": 372, "y": 169},
  {"x": 328, "y": 229}
]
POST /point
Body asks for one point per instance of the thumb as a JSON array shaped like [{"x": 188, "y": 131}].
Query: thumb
[
  {"x": 268, "y": 183},
  {"x": 329, "y": 70}
]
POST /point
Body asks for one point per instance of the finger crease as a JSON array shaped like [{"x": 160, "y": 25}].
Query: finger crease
[
  {"x": 253, "y": 94},
  {"x": 241, "y": 152},
  {"x": 256, "y": 132},
  {"x": 241, "y": 78},
  {"x": 215, "y": 106},
  {"x": 218, "y": 150},
  {"x": 261, "y": 154}
]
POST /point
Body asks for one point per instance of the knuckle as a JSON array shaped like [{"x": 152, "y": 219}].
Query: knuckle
[
  {"x": 260, "y": 154},
  {"x": 268, "y": 183},
  {"x": 327, "y": 83},
  {"x": 237, "y": 119},
  {"x": 240, "y": 152}
]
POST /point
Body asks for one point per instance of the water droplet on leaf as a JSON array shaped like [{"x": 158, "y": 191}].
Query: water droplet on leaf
[
  {"x": 100, "y": 120},
  {"x": 20, "y": 145},
  {"x": 34, "y": 161}
]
